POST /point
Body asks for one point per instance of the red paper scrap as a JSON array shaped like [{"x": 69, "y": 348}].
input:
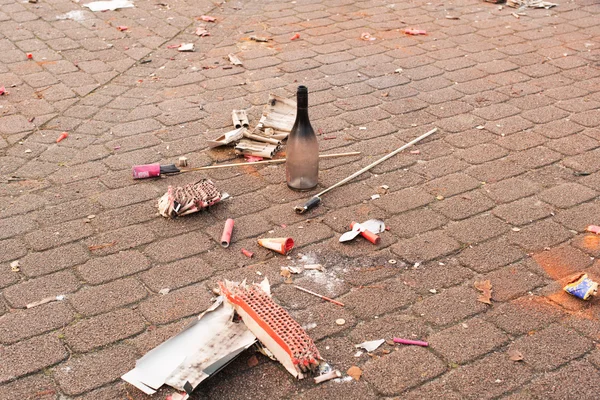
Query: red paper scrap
[
  {"x": 296, "y": 36},
  {"x": 415, "y": 32},
  {"x": 208, "y": 18}
]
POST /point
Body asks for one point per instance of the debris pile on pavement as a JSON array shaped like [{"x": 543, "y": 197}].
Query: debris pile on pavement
[
  {"x": 264, "y": 140},
  {"x": 110, "y": 5},
  {"x": 191, "y": 198},
  {"x": 368, "y": 229},
  {"x": 202, "y": 349},
  {"x": 522, "y": 4},
  {"x": 273, "y": 326}
]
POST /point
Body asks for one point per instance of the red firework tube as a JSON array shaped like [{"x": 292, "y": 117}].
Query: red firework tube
[
  {"x": 146, "y": 171},
  {"x": 370, "y": 236},
  {"x": 62, "y": 137},
  {"x": 247, "y": 253},
  {"x": 226, "y": 236}
]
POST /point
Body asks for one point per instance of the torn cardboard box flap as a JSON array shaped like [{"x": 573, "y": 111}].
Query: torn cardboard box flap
[
  {"x": 202, "y": 349},
  {"x": 279, "y": 114}
]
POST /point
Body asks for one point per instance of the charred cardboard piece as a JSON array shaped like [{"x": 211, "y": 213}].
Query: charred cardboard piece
[
  {"x": 254, "y": 148},
  {"x": 202, "y": 349},
  {"x": 227, "y": 138},
  {"x": 273, "y": 326},
  {"x": 188, "y": 199},
  {"x": 278, "y": 114},
  {"x": 240, "y": 119}
]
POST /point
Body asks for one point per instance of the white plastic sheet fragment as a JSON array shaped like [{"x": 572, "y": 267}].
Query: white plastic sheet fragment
[
  {"x": 370, "y": 346},
  {"x": 203, "y": 348},
  {"x": 110, "y": 5}
]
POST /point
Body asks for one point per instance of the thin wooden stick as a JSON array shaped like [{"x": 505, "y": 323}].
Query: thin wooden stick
[
  {"x": 282, "y": 160},
  {"x": 320, "y": 296}
]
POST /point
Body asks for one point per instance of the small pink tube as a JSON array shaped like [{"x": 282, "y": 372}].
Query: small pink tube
[
  {"x": 146, "y": 171},
  {"x": 412, "y": 342},
  {"x": 226, "y": 236}
]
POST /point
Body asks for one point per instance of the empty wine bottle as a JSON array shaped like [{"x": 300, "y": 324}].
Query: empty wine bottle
[{"x": 302, "y": 150}]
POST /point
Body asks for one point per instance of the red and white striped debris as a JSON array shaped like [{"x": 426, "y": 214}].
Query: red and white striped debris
[
  {"x": 188, "y": 199},
  {"x": 273, "y": 326}
]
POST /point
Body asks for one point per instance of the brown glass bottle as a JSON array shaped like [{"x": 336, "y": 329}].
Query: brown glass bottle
[{"x": 302, "y": 150}]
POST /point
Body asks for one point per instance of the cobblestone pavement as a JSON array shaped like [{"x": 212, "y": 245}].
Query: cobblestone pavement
[{"x": 503, "y": 192}]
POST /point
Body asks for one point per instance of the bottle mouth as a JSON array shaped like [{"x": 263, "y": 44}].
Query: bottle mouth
[{"x": 302, "y": 89}]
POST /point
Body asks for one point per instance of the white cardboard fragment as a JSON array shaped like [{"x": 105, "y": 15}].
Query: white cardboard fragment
[
  {"x": 371, "y": 345},
  {"x": 186, "y": 47},
  {"x": 203, "y": 348},
  {"x": 108, "y": 5}
]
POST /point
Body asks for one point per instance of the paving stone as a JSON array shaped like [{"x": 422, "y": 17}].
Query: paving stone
[
  {"x": 523, "y": 211},
  {"x": 364, "y": 302},
  {"x": 451, "y": 305},
  {"x": 398, "y": 324},
  {"x": 567, "y": 195},
  {"x": 246, "y": 384},
  {"x": 560, "y": 262},
  {"x": 464, "y": 205},
  {"x": 25, "y": 357},
  {"x": 525, "y": 314},
  {"x": 81, "y": 374},
  {"x": 450, "y": 343},
  {"x": 404, "y": 200},
  {"x": 476, "y": 229},
  {"x": 19, "y": 325},
  {"x": 451, "y": 185},
  {"x": 324, "y": 316},
  {"x": 434, "y": 275},
  {"x": 104, "y": 269},
  {"x": 495, "y": 171},
  {"x": 411, "y": 223},
  {"x": 39, "y": 386},
  {"x": 552, "y": 347},
  {"x": 513, "y": 281},
  {"x": 179, "y": 247},
  {"x": 98, "y": 299},
  {"x": 88, "y": 334},
  {"x": 11, "y": 249},
  {"x": 427, "y": 246},
  {"x": 44, "y": 239},
  {"x": 402, "y": 369},
  {"x": 579, "y": 376},
  {"x": 176, "y": 304},
  {"x": 479, "y": 380},
  {"x": 334, "y": 391},
  {"x": 539, "y": 235},
  {"x": 121, "y": 239},
  {"x": 60, "y": 283},
  {"x": 177, "y": 274}
]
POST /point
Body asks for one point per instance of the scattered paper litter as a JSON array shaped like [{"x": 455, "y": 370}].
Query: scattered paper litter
[
  {"x": 515, "y": 355},
  {"x": 108, "y": 5},
  {"x": 164, "y": 291},
  {"x": 234, "y": 59},
  {"x": 355, "y": 373},
  {"x": 415, "y": 32},
  {"x": 14, "y": 266},
  {"x": 3, "y": 91},
  {"x": 371, "y": 345},
  {"x": 366, "y": 36},
  {"x": 60, "y": 297},
  {"x": 186, "y": 47},
  {"x": 358, "y": 354},
  {"x": 207, "y": 18},
  {"x": 202, "y": 349},
  {"x": 201, "y": 31},
  {"x": 530, "y": 4},
  {"x": 485, "y": 287}
]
